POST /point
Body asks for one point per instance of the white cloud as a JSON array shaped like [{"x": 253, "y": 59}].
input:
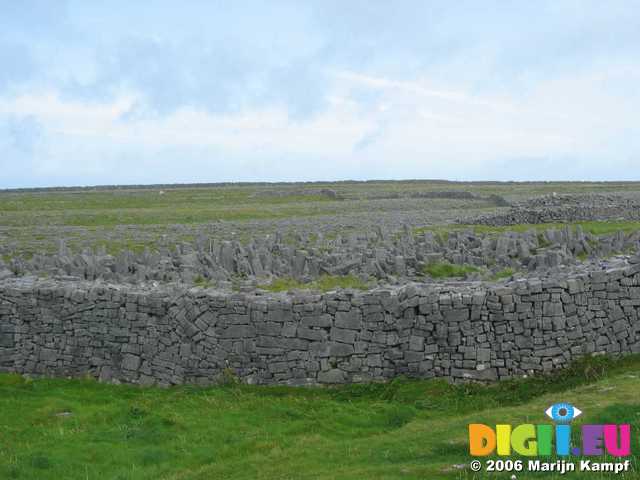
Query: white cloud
[
  {"x": 413, "y": 129},
  {"x": 318, "y": 89},
  {"x": 575, "y": 116}
]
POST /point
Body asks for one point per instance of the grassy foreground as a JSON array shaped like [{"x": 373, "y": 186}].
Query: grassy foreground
[{"x": 80, "y": 429}]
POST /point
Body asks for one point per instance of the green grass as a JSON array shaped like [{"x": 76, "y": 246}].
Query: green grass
[
  {"x": 200, "y": 281},
  {"x": 331, "y": 282},
  {"x": 180, "y": 205},
  {"x": 148, "y": 207},
  {"x": 405, "y": 429},
  {"x": 188, "y": 205},
  {"x": 505, "y": 273},
  {"x": 448, "y": 270},
  {"x": 325, "y": 283},
  {"x": 542, "y": 241},
  {"x": 193, "y": 205}
]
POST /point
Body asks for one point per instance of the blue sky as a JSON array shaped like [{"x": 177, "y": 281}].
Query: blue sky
[{"x": 207, "y": 91}]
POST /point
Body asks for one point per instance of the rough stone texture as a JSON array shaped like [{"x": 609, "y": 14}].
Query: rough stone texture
[
  {"x": 564, "y": 208},
  {"x": 377, "y": 255},
  {"x": 462, "y": 331}
]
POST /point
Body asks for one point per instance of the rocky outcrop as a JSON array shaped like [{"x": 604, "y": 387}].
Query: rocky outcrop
[{"x": 393, "y": 257}]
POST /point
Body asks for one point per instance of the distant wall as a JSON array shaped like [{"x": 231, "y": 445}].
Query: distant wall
[
  {"x": 479, "y": 332},
  {"x": 564, "y": 214}
]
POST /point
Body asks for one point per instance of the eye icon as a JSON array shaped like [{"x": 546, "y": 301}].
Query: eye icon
[{"x": 562, "y": 412}]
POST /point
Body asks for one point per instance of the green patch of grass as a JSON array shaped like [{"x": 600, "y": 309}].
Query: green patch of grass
[
  {"x": 40, "y": 461},
  {"x": 602, "y": 228},
  {"x": 447, "y": 270},
  {"x": 148, "y": 207},
  {"x": 505, "y": 273},
  {"x": 200, "y": 281},
  {"x": 442, "y": 237},
  {"x": 325, "y": 283},
  {"x": 332, "y": 282},
  {"x": 397, "y": 430},
  {"x": 542, "y": 241}
]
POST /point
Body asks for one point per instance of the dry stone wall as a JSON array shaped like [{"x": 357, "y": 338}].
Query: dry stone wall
[
  {"x": 460, "y": 331},
  {"x": 564, "y": 209}
]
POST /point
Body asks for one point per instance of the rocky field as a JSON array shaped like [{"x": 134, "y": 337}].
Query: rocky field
[{"x": 313, "y": 235}]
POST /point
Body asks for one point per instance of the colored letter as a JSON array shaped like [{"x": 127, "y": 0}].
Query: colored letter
[
  {"x": 482, "y": 440},
  {"x": 563, "y": 439},
  {"x": 592, "y": 440},
  {"x": 544, "y": 435},
  {"x": 523, "y": 440},
  {"x": 625, "y": 440},
  {"x": 503, "y": 434}
]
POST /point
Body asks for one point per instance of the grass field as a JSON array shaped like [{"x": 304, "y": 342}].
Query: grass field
[
  {"x": 188, "y": 205},
  {"x": 80, "y": 429},
  {"x": 149, "y": 207}
]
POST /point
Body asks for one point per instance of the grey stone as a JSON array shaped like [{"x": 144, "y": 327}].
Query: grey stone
[
  {"x": 350, "y": 319},
  {"x": 131, "y": 362},
  {"x": 332, "y": 376}
]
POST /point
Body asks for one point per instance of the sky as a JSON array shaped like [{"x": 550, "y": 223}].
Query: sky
[{"x": 121, "y": 92}]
